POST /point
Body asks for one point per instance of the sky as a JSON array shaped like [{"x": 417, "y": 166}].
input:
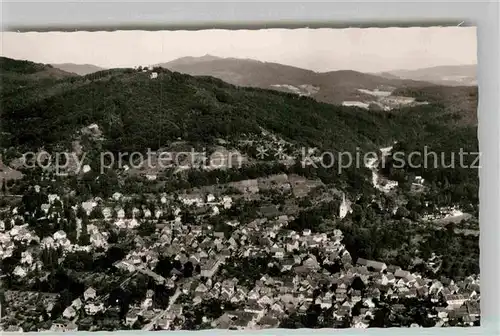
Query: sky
[{"x": 361, "y": 49}]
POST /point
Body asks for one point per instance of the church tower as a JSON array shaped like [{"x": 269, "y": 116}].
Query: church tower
[{"x": 343, "y": 207}]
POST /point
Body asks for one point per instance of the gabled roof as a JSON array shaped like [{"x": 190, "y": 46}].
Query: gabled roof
[{"x": 377, "y": 265}]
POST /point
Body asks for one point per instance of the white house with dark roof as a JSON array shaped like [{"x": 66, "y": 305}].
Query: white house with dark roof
[
  {"x": 77, "y": 303},
  {"x": 69, "y": 313},
  {"x": 89, "y": 294}
]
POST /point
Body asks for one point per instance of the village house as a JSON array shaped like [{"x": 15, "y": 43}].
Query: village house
[
  {"x": 455, "y": 300},
  {"x": 92, "y": 308},
  {"x": 69, "y": 313},
  {"x": 77, "y": 303},
  {"x": 132, "y": 316},
  {"x": 63, "y": 327},
  {"x": 89, "y": 294},
  {"x": 209, "y": 268}
]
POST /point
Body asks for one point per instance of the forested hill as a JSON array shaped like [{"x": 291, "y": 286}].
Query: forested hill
[
  {"x": 332, "y": 87},
  {"x": 31, "y": 69},
  {"x": 20, "y": 74},
  {"x": 458, "y": 100},
  {"x": 136, "y": 112}
]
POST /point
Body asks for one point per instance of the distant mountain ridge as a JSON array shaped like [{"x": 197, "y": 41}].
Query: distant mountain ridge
[
  {"x": 22, "y": 74},
  {"x": 192, "y": 59},
  {"x": 79, "y": 69},
  {"x": 330, "y": 87},
  {"x": 231, "y": 70},
  {"x": 34, "y": 70},
  {"x": 453, "y": 75},
  {"x": 343, "y": 87}
]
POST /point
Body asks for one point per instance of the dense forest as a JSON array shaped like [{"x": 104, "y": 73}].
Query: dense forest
[{"x": 136, "y": 112}]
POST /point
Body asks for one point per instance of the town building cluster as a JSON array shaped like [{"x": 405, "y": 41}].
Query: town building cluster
[{"x": 304, "y": 269}]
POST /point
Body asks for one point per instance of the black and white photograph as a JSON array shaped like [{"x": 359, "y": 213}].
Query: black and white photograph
[{"x": 239, "y": 179}]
